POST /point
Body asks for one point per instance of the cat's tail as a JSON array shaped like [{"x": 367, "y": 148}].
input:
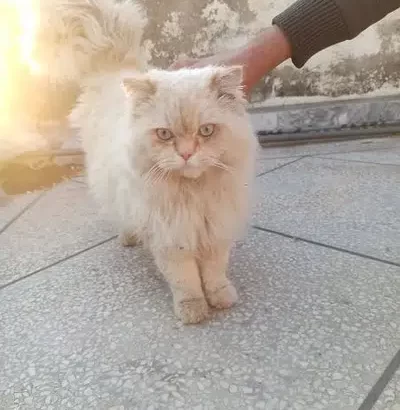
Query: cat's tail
[{"x": 78, "y": 38}]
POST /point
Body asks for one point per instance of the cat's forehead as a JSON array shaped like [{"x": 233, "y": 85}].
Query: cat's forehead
[
  {"x": 184, "y": 118},
  {"x": 184, "y": 80},
  {"x": 184, "y": 98},
  {"x": 186, "y": 114}
]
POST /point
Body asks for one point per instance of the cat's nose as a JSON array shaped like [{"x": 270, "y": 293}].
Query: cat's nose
[{"x": 186, "y": 155}]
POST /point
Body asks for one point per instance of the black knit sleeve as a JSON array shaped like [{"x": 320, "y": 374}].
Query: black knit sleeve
[{"x": 313, "y": 25}]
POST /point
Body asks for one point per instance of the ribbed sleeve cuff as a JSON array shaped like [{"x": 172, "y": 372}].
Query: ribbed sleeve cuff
[{"x": 311, "y": 26}]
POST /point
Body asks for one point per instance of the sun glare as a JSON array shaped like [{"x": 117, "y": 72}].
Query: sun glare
[
  {"x": 18, "y": 24},
  {"x": 28, "y": 21}
]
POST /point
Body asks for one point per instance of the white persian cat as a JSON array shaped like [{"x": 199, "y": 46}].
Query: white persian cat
[{"x": 169, "y": 154}]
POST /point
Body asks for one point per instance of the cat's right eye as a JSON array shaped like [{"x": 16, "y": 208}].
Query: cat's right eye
[{"x": 164, "y": 134}]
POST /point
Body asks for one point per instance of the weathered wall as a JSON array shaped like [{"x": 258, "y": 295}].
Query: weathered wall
[{"x": 368, "y": 64}]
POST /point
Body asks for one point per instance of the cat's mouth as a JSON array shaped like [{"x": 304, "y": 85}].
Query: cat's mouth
[{"x": 188, "y": 171}]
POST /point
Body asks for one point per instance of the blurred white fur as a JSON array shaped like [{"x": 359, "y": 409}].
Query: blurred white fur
[
  {"x": 80, "y": 37},
  {"x": 189, "y": 212}
]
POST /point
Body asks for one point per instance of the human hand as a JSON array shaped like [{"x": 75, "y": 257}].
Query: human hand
[{"x": 258, "y": 57}]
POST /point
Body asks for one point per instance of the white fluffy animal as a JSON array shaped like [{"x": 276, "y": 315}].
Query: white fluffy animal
[{"x": 169, "y": 154}]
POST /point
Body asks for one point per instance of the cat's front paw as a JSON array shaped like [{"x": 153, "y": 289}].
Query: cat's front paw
[
  {"x": 126, "y": 239},
  {"x": 223, "y": 297},
  {"x": 191, "y": 311}
]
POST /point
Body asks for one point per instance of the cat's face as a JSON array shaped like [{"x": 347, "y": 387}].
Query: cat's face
[{"x": 189, "y": 120}]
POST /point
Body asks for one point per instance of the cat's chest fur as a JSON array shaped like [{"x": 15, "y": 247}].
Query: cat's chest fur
[{"x": 190, "y": 214}]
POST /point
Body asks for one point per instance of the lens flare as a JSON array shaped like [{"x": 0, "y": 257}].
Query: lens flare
[
  {"x": 18, "y": 24},
  {"x": 28, "y": 22}
]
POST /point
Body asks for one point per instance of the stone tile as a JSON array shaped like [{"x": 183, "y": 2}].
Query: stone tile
[
  {"x": 330, "y": 147},
  {"x": 81, "y": 179},
  {"x": 388, "y": 157},
  {"x": 314, "y": 329},
  {"x": 12, "y": 206},
  {"x": 345, "y": 204},
  {"x": 266, "y": 165},
  {"x": 390, "y": 397},
  {"x": 62, "y": 222}
]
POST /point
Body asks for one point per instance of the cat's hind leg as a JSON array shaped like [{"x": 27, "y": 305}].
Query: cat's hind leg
[
  {"x": 128, "y": 239},
  {"x": 220, "y": 292},
  {"x": 181, "y": 271}
]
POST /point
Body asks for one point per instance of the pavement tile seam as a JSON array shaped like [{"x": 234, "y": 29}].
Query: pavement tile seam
[
  {"x": 66, "y": 258},
  {"x": 278, "y": 157},
  {"x": 281, "y": 166},
  {"x": 266, "y": 230},
  {"x": 381, "y": 383},
  {"x": 23, "y": 210},
  {"x": 78, "y": 181},
  {"x": 324, "y": 245},
  {"x": 354, "y": 160}
]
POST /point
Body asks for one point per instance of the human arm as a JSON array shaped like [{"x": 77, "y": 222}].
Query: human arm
[
  {"x": 314, "y": 25},
  {"x": 259, "y": 56},
  {"x": 299, "y": 32}
]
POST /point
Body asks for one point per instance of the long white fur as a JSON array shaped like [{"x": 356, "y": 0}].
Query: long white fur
[
  {"x": 188, "y": 221},
  {"x": 78, "y": 37},
  {"x": 116, "y": 165}
]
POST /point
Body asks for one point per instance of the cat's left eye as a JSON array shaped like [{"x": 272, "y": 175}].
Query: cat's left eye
[
  {"x": 207, "y": 130},
  {"x": 164, "y": 134}
]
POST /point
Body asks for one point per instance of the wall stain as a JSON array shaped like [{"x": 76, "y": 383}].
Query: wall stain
[
  {"x": 201, "y": 28},
  {"x": 349, "y": 76},
  {"x": 355, "y": 73}
]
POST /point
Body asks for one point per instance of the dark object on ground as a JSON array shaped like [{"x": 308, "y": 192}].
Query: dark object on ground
[{"x": 17, "y": 177}]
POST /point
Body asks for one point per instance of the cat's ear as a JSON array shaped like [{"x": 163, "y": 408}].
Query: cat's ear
[
  {"x": 227, "y": 83},
  {"x": 142, "y": 89}
]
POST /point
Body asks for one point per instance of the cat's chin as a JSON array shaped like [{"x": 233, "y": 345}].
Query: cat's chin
[{"x": 191, "y": 172}]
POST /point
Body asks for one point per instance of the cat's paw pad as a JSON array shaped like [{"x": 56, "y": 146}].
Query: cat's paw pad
[
  {"x": 127, "y": 239},
  {"x": 223, "y": 298},
  {"x": 191, "y": 311}
]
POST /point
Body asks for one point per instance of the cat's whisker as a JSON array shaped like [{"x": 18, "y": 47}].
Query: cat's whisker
[
  {"x": 166, "y": 175},
  {"x": 157, "y": 173},
  {"x": 218, "y": 164},
  {"x": 153, "y": 176},
  {"x": 155, "y": 168},
  {"x": 160, "y": 176}
]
